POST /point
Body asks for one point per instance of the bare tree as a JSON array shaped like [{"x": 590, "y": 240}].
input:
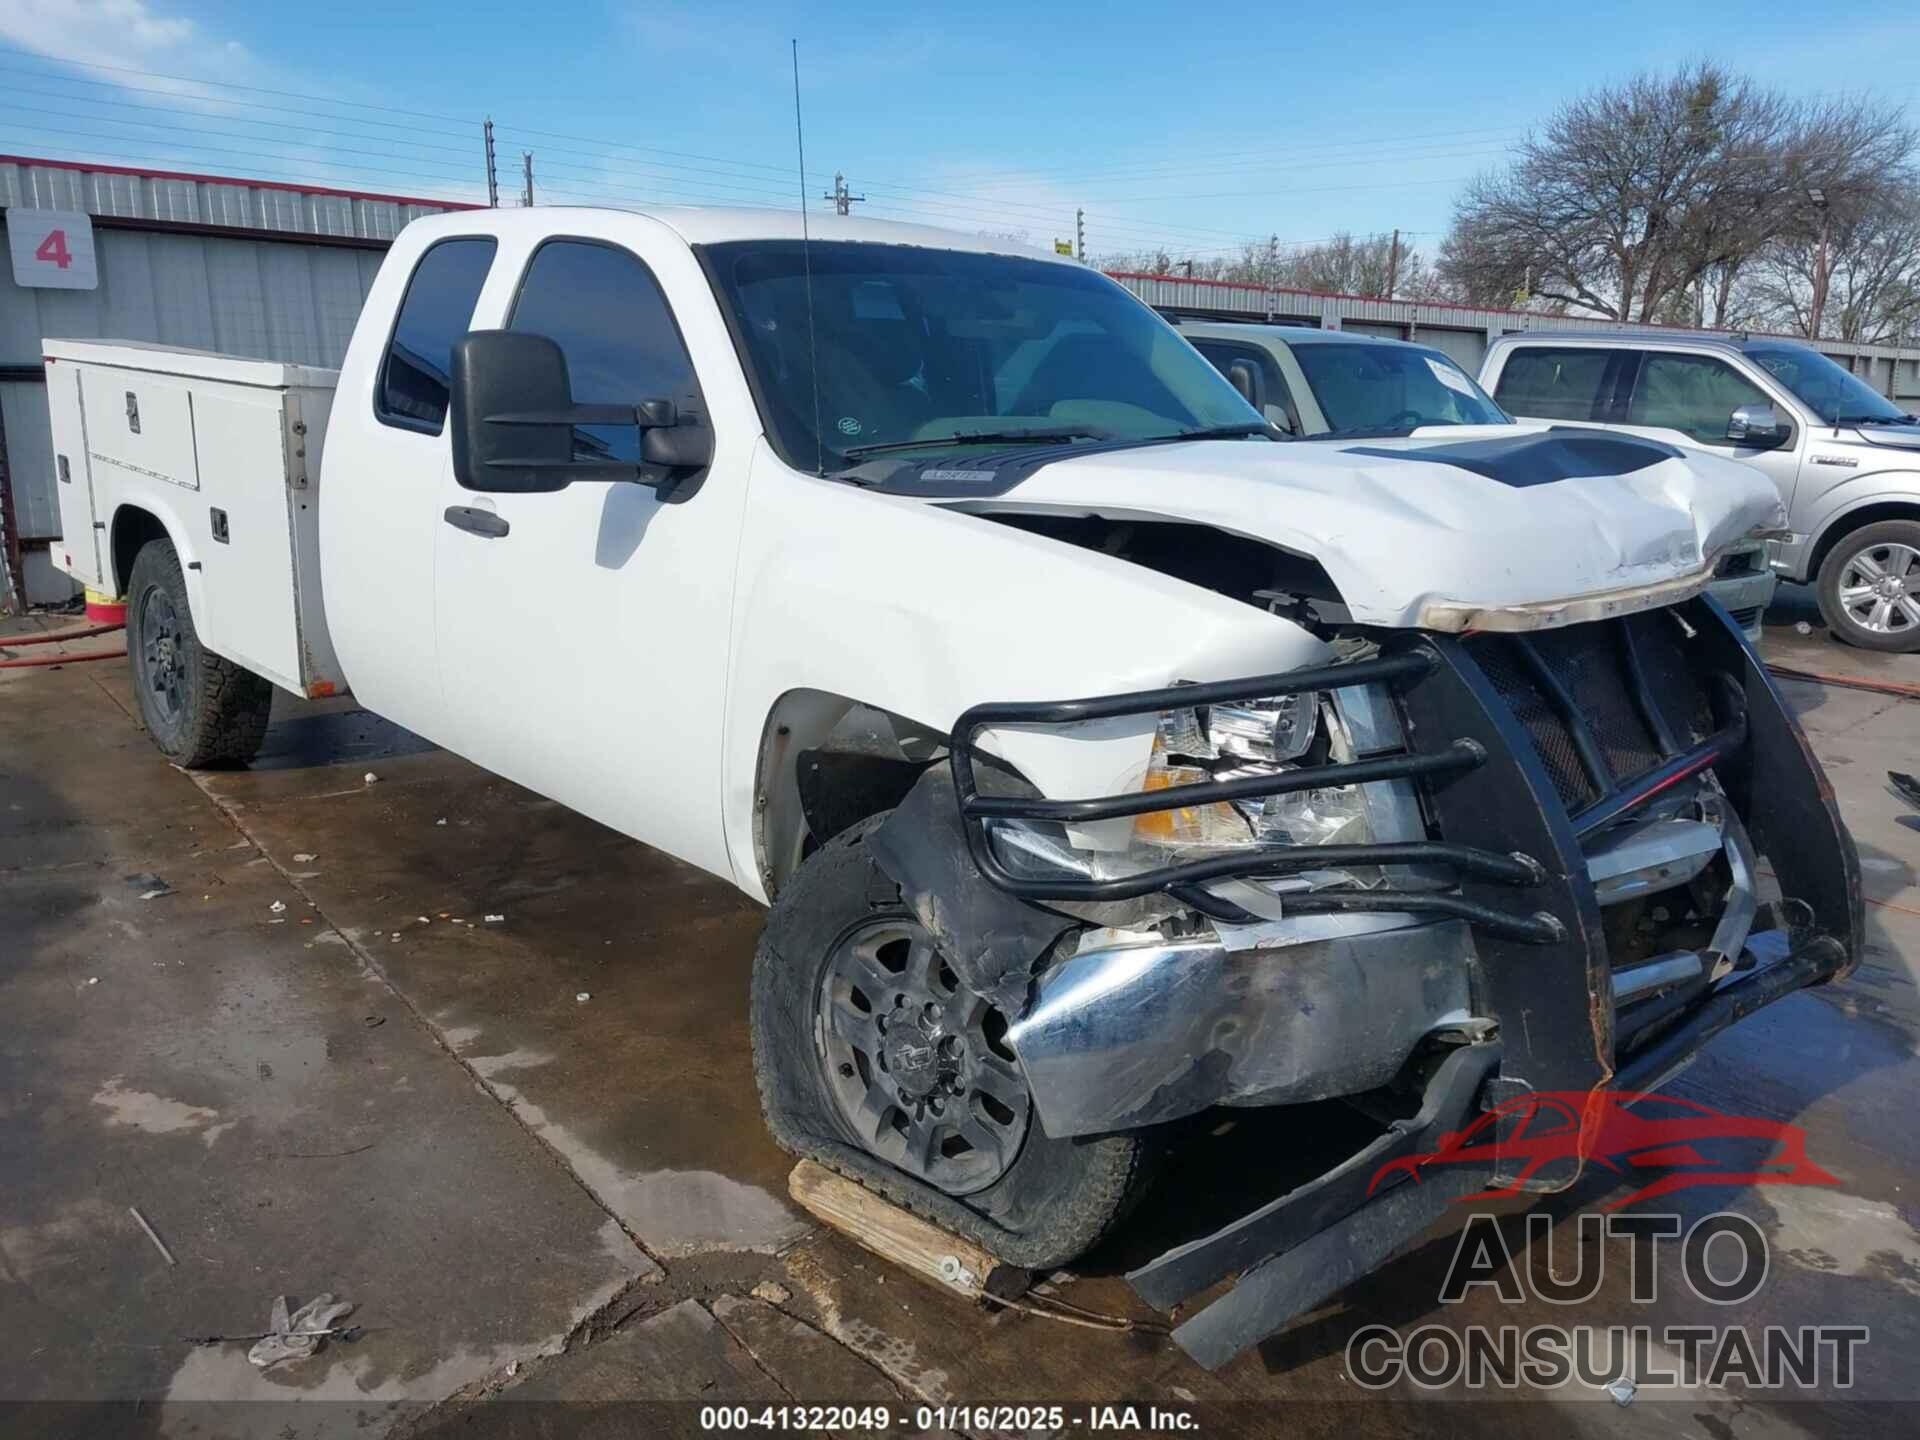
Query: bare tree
[
  {"x": 1344, "y": 265},
  {"x": 1649, "y": 201},
  {"x": 1856, "y": 264}
]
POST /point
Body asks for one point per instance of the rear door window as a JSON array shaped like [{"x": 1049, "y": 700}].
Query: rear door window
[
  {"x": 436, "y": 310},
  {"x": 1551, "y": 383},
  {"x": 1694, "y": 394}
]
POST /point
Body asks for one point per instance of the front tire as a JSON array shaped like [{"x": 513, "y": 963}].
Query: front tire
[
  {"x": 872, "y": 1058},
  {"x": 200, "y": 708},
  {"x": 1869, "y": 587}
]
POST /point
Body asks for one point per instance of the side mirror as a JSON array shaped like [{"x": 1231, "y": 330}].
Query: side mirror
[
  {"x": 1756, "y": 425},
  {"x": 1246, "y": 378},
  {"x": 514, "y": 415}
]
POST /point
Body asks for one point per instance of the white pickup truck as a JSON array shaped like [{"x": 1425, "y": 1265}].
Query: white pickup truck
[{"x": 1419, "y": 774}]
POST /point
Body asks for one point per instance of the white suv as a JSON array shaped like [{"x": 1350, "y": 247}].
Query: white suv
[{"x": 1846, "y": 459}]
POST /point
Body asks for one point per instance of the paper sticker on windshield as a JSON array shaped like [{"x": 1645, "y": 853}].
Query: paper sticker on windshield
[
  {"x": 1448, "y": 376},
  {"x": 848, "y": 425}
]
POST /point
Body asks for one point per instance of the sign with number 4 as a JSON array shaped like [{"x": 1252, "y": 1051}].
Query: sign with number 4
[{"x": 52, "y": 249}]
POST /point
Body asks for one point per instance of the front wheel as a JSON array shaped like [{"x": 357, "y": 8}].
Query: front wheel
[
  {"x": 200, "y": 708},
  {"x": 872, "y": 1056},
  {"x": 1869, "y": 587}
]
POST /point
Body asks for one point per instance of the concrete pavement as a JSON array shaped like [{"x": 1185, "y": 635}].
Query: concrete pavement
[{"x": 536, "y": 1199}]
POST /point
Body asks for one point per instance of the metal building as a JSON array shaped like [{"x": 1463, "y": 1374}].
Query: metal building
[{"x": 249, "y": 266}]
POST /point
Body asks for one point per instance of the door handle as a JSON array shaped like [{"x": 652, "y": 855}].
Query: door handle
[{"x": 476, "y": 522}]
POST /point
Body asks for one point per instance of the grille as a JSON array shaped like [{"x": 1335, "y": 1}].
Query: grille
[{"x": 1589, "y": 663}]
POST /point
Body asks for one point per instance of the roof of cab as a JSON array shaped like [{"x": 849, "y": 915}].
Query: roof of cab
[
  {"x": 1643, "y": 339},
  {"x": 712, "y": 225}
]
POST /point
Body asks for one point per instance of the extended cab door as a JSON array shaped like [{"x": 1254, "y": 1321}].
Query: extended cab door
[
  {"x": 583, "y": 633},
  {"x": 385, "y": 468}
]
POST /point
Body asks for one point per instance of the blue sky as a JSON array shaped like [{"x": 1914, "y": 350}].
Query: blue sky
[{"x": 1181, "y": 130}]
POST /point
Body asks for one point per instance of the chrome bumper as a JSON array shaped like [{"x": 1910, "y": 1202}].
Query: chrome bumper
[{"x": 1139, "y": 1029}]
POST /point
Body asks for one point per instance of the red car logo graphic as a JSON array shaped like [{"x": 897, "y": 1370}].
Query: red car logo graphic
[{"x": 1623, "y": 1131}]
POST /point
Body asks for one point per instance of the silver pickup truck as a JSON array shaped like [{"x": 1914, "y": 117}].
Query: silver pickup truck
[{"x": 1845, "y": 459}]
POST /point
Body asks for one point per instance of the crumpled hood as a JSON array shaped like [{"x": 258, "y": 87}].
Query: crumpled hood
[{"x": 1496, "y": 531}]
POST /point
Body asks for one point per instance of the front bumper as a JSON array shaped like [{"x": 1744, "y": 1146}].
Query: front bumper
[{"x": 1546, "y": 1009}]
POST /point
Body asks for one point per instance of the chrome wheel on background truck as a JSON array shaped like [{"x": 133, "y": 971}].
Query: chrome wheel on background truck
[
  {"x": 1869, "y": 587},
  {"x": 200, "y": 709}
]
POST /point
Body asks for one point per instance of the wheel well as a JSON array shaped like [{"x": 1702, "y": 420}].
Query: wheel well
[
  {"x": 132, "y": 528},
  {"x": 860, "y": 760},
  {"x": 1855, "y": 520}
]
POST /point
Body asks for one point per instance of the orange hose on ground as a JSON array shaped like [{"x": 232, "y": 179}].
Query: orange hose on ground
[
  {"x": 53, "y": 637},
  {"x": 1897, "y": 688},
  {"x": 34, "y": 660}
]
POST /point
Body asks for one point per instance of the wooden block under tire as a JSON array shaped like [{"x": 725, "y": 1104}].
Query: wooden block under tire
[{"x": 918, "y": 1246}]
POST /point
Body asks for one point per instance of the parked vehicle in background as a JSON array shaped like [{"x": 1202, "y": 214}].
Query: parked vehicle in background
[
  {"x": 780, "y": 549},
  {"x": 1845, "y": 459},
  {"x": 1332, "y": 385}
]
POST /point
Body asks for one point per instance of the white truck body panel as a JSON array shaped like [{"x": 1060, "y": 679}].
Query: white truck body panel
[{"x": 212, "y": 446}]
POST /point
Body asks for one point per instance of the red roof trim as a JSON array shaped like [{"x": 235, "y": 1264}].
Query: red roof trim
[{"x": 235, "y": 180}]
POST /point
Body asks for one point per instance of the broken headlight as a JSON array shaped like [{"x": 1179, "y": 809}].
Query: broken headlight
[
  {"x": 1195, "y": 745},
  {"x": 1232, "y": 742}
]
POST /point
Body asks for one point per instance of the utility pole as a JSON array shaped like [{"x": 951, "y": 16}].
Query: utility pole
[
  {"x": 493, "y": 175},
  {"x": 1820, "y": 277},
  {"x": 842, "y": 201},
  {"x": 1080, "y": 235},
  {"x": 1393, "y": 265},
  {"x": 526, "y": 169}
]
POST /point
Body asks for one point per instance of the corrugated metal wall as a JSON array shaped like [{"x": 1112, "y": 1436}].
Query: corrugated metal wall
[{"x": 277, "y": 297}]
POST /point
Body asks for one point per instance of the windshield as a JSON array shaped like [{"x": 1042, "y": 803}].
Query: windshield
[
  {"x": 1837, "y": 397},
  {"x": 1390, "y": 389},
  {"x": 919, "y": 344}
]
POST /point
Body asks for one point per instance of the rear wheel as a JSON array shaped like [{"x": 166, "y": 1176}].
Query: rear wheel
[
  {"x": 874, "y": 1058},
  {"x": 201, "y": 709},
  {"x": 1869, "y": 586}
]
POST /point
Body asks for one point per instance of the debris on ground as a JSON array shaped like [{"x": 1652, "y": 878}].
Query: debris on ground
[
  {"x": 1904, "y": 787},
  {"x": 371, "y": 778},
  {"x": 496, "y": 919},
  {"x": 441, "y": 821},
  {"x": 93, "y": 980},
  {"x": 583, "y": 996},
  {"x": 278, "y": 906},
  {"x": 296, "y": 1336},
  {"x": 158, "y": 1243},
  {"x": 373, "y": 1022},
  {"x": 771, "y": 1292},
  {"x": 1801, "y": 627},
  {"x": 303, "y": 856},
  {"x": 1622, "y": 1389},
  {"x": 151, "y": 887}
]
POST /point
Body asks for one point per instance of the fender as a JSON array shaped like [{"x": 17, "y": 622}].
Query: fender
[
  {"x": 919, "y": 610},
  {"x": 1848, "y": 497},
  {"x": 162, "y": 509}
]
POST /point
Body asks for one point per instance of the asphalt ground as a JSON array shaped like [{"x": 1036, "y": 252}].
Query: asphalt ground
[{"x": 274, "y": 1012}]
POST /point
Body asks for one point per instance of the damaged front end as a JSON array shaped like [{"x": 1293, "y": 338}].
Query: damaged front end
[{"x": 1498, "y": 862}]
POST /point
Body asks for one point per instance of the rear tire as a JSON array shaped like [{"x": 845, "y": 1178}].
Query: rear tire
[
  {"x": 1038, "y": 1202},
  {"x": 202, "y": 710},
  {"x": 1857, "y": 584}
]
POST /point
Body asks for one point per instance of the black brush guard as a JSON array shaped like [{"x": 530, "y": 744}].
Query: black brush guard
[{"x": 1514, "y": 846}]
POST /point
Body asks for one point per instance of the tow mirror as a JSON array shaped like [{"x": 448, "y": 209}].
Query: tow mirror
[
  {"x": 1245, "y": 378},
  {"x": 514, "y": 420},
  {"x": 1756, "y": 425}
]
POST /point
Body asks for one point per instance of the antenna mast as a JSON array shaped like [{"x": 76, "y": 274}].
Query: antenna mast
[{"x": 806, "y": 250}]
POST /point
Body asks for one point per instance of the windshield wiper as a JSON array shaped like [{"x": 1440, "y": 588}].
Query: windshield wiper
[
  {"x": 1874, "y": 419},
  {"x": 1053, "y": 435},
  {"x": 1224, "y": 432}
]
